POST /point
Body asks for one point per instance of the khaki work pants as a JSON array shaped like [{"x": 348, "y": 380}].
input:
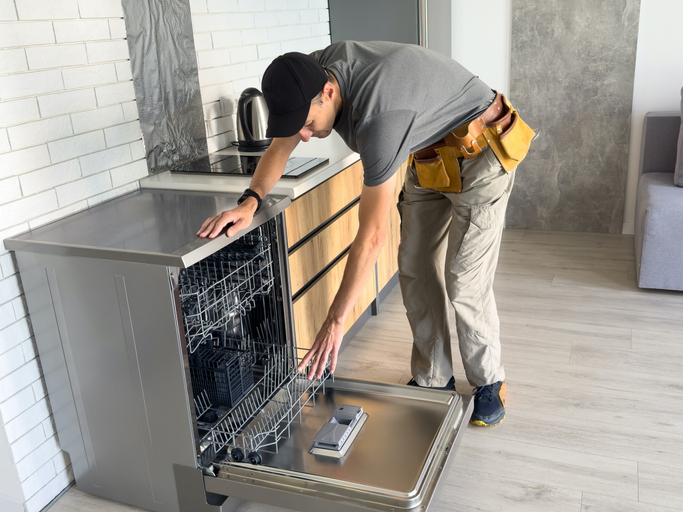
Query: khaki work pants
[{"x": 449, "y": 251}]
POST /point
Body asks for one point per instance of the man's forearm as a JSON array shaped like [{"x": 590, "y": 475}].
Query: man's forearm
[
  {"x": 373, "y": 212},
  {"x": 272, "y": 164},
  {"x": 268, "y": 171},
  {"x": 362, "y": 257}
]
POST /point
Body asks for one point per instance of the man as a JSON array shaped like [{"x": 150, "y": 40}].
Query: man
[{"x": 389, "y": 102}]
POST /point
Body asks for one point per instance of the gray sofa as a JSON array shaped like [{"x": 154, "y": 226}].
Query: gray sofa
[{"x": 659, "y": 206}]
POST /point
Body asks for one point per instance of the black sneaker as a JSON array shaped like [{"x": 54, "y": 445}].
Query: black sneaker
[
  {"x": 450, "y": 386},
  {"x": 489, "y": 404}
]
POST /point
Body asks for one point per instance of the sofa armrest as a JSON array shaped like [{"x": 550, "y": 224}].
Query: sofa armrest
[{"x": 660, "y": 142}]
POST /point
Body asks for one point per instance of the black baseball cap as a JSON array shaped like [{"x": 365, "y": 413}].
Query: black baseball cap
[{"x": 289, "y": 84}]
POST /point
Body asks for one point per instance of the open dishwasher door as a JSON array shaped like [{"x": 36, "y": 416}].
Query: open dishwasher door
[{"x": 395, "y": 462}]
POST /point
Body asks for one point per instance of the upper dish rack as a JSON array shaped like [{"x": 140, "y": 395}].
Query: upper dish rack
[{"x": 222, "y": 288}]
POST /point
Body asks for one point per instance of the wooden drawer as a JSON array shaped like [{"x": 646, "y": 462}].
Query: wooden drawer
[
  {"x": 320, "y": 204},
  {"x": 314, "y": 255},
  {"x": 387, "y": 261},
  {"x": 310, "y": 309}
]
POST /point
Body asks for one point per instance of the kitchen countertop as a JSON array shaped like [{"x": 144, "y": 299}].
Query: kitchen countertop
[
  {"x": 146, "y": 226},
  {"x": 332, "y": 147}
]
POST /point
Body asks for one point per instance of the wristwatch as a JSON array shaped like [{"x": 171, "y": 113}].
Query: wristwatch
[{"x": 250, "y": 193}]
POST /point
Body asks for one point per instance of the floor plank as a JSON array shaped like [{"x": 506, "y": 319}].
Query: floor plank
[
  {"x": 551, "y": 331},
  {"x": 468, "y": 489},
  {"x": 599, "y": 503},
  {"x": 660, "y": 485},
  {"x": 555, "y": 467},
  {"x": 593, "y": 437}
]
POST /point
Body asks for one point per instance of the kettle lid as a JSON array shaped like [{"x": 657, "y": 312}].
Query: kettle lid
[{"x": 250, "y": 92}]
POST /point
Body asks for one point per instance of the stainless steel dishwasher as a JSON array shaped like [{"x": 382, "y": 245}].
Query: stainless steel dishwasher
[{"x": 170, "y": 363}]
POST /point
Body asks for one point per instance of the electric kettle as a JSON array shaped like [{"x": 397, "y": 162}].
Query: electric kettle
[{"x": 252, "y": 121}]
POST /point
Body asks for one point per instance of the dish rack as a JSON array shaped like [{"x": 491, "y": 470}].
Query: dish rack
[
  {"x": 264, "y": 416},
  {"x": 222, "y": 288},
  {"x": 247, "y": 390}
]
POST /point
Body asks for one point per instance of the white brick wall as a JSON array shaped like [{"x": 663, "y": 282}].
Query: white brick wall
[
  {"x": 235, "y": 41},
  {"x": 69, "y": 139}
]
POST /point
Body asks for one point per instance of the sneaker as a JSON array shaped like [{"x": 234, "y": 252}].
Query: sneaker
[
  {"x": 450, "y": 386},
  {"x": 489, "y": 404}
]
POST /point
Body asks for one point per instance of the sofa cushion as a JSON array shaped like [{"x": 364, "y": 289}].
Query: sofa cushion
[
  {"x": 678, "y": 172},
  {"x": 659, "y": 232}
]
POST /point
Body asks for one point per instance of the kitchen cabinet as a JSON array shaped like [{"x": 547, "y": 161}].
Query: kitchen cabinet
[
  {"x": 310, "y": 309},
  {"x": 321, "y": 225},
  {"x": 308, "y": 212},
  {"x": 311, "y": 258}
]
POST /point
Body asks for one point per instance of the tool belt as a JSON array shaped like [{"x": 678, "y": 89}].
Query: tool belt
[{"x": 499, "y": 127}]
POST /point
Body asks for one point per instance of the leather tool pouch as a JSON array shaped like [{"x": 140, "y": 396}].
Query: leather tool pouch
[
  {"x": 441, "y": 172},
  {"x": 437, "y": 166},
  {"x": 511, "y": 144}
]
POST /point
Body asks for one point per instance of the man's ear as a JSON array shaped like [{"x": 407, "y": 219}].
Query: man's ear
[{"x": 328, "y": 90}]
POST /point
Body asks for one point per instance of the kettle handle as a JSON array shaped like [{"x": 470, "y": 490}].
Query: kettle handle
[{"x": 249, "y": 137}]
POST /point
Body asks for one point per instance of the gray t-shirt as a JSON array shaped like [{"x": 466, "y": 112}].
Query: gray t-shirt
[{"x": 398, "y": 98}]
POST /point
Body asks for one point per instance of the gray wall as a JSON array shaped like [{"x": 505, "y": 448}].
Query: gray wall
[{"x": 572, "y": 72}]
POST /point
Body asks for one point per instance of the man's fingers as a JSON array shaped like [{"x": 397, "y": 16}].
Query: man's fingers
[
  {"x": 206, "y": 227},
  {"x": 333, "y": 361},
  {"x": 221, "y": 221},
  {"x": 322, "y": 362},
  {"x": 306, "y": 359},
  {"x": 236, "y": 226},
  {"x": 314, "y": 366}
]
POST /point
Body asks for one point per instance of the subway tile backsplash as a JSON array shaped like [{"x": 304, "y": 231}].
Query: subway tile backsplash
[
  {"x": 70, "y": 139},
  {"x": 68, "y": 125},
  {"x": 236, "y": 40}
]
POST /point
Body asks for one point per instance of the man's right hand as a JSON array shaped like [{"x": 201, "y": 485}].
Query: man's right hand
[
  {"x": 268, "y": 170},
  {"x": 236, "y": 219}
]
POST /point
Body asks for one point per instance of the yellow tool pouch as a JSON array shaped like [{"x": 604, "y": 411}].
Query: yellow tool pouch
[
  {"x": 499, "y": 126},
  {"x": 511, "y": 145},
  {"x": 441, "y": 172}
]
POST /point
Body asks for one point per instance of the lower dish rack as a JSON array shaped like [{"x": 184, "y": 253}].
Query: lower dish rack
[{"x": 263, "y": 417}]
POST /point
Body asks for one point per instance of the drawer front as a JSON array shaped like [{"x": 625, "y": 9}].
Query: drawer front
[
  {"x": 323, "y": 202},
  {"x": 318, "y": 252},
  {"x": 310, "y": 309}
]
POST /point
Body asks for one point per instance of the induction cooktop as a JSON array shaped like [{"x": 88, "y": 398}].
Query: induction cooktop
[{"x": 245, "y": 165}]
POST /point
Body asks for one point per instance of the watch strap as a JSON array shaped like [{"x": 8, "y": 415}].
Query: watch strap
[{"x": 250, "y": 193}]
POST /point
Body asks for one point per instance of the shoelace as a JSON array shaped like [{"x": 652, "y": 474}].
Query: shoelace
[{"x": 485, "y": 393}]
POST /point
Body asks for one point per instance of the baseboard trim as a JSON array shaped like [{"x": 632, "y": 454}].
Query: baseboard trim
[
  {"x": 54, "y": 500},
  {"x": 384, "y": 292}
]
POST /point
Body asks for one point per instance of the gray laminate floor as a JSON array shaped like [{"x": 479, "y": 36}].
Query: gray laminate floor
[{"x": 594, "y": 385}]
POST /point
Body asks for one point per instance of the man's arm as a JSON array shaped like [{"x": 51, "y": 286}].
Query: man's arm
[
  {"x": 375, "y": 205},
  {"x": 268, "y": 170}
]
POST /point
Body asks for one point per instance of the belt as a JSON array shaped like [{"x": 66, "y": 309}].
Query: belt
[{"x": 468, "y": 139}]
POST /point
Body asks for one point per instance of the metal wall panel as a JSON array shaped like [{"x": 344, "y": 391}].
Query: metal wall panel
[{"x": 166, "y": 80}]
